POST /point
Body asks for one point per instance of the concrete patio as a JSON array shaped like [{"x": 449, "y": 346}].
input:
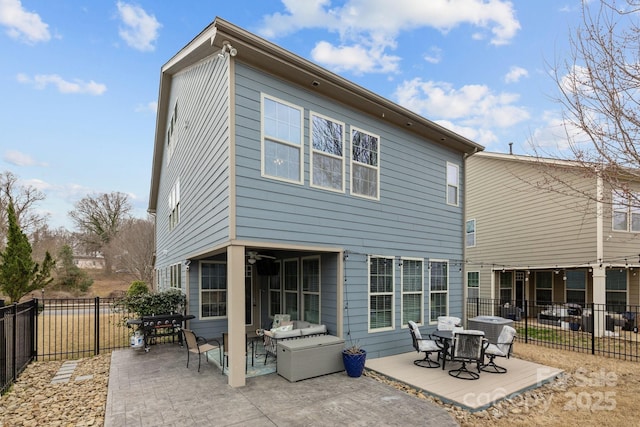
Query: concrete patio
[{"x": 157, "y": 389}]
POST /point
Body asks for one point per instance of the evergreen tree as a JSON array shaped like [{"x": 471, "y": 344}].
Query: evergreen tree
[
  {"x": 19, "y": 274},
  {"x": 70, "y": 276}
]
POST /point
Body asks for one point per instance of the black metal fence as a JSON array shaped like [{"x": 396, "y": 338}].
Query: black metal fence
[
  {"x": 17, "y": 341},
  {"x": 592, "y": 328},
  {"x": 54, "y": 329}
]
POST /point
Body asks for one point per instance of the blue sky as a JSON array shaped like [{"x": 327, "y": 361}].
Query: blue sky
[{"x": 79, "y": 78}]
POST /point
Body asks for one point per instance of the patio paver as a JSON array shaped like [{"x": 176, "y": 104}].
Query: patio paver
[{"x": 157, "y": 389}]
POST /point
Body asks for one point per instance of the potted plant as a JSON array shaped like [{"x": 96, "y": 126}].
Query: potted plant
[{"x": 353, "y": 358}]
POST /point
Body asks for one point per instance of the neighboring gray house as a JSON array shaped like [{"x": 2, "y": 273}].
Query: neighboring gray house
[
  {"x": 527, "y": 243},
  {"x": 280, "y": 187}
]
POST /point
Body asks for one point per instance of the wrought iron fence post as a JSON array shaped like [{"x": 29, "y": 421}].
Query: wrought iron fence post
[
  {"x": 14, "y": 339},
  {"x": 34, "y": 328},
  {"x": 97, "y": 325},
  {"x": 526, "y": 321},
  {"x": 592, "y": 327}
]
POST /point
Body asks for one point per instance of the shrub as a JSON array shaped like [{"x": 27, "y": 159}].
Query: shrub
[
  {"x": 137, "y": 287},
  {"x": 149, "y": 304}
]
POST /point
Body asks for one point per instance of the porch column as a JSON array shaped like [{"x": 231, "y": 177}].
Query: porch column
[
  {"x": 599, "y": 299},
  {"x": 235, "y": 315}
]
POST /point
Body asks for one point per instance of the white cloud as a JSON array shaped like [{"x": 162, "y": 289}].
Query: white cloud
[
  {"x": 434, "y": 56},
  {"x": 356, "y": 58},
  {"x": 471, "y": 110},
  {"x": 41, "y": 81},
  {"x": 149, "y": 107},
  {"x": 140, "y": 29},
  {"x": 515, "y": 74},
  {"x": 21, "y": 24},
  {"x": 18, "y": 158},
  {"x": 38, "y": 184},
  {"x": 372, "y": 26}
]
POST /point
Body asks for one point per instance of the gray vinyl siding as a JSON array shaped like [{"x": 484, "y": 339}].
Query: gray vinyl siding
[
  {"x": 411, "y": 218},
  {"x": 200, "y": 160}
]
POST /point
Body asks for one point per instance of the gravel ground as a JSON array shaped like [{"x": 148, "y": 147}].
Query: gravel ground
[{"x": 35, "y": 401}]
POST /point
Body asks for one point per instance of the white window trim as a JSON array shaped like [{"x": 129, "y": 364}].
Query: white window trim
[
  {"x": 392, "y": 293},
  {"x": 475, "y": 233},
  {"x": 286, "y": 292},
  {"x": 280, "y": 289},
  {"x": 200, "y": 291},
  {"x": 467, "y": 284},
  {"x": 402, "y": 292},
  {"x": 174, "y": 205},
  {"x": 303, "y": 292},
  {"x": 457, "y": 185},
  {"x": 172, "y": 139},
  {"x": 352, "y": 162},
  {"x": 446, "y": 261},
  {"x": 629, "y": 210},
  {"x": 175, "y": 276},
  {"x": 263, "y": 173},
  {"x": 313, "y": 152}
]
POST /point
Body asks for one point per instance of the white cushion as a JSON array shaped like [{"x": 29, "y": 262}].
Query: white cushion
[
  {"x": 416, "y": 332},
  {"x": 428, "y": 345},
  {"x": 315, "y": 329},
  {"x": 447, "y": 323},
  {"x": 493, "y": 349},
  {"x": 287, "y": 334}
]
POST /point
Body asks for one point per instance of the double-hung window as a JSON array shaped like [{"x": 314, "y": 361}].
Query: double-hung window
[
  {"x": 213, "y": 289},
  {"x": 473, "y": 284},
  {"x": 616, "y": 290},
  {"x": 625, "y": 212},
  {"x": 575, "y": 285},
  {"x": 412, "y": 283},
  {"x": 439, "y": 289},
  {"x": 311, "y": 289},
  {"x": 544, "y": 287},
  {"x": 453, "y": 184},
  {"x": 282, "y": 140},
  {"x": 327, "y": 153},
  {"x": 174, "y": 205},
  {"x": 471, "y": 233},
  {"x": 176, "y": 276},
  {"x": 290, "y": 277},
  {"x": 365, "y": 164},
  {"x": 381, "y": 290},
  {"x": 506, "y": 287}
]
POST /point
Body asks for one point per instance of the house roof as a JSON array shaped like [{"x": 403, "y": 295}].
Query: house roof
[{"x": 279, "y": 62}]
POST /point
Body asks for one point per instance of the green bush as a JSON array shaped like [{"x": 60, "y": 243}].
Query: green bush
[
  {"x": 137, "y": 287},
  {"x": 150, "y": 304}
]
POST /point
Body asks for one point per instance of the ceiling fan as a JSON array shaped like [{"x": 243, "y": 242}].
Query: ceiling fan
[{"x": 255, "y": 256}]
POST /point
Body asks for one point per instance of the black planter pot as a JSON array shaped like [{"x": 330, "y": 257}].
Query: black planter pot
[{"x": 354, "y": 363}]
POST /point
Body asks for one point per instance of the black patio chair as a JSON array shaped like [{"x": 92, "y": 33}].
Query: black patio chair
[
  {"x": 502, "y": 348},
  {"x": 426, "y": 345},
  {"x": 468, "y": 347}
]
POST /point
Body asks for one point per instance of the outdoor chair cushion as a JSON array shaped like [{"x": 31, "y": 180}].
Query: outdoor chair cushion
[
  {"x": 448, "y": 323},
  {"x": 314, "y": 330},
  {"x": 503, "y": 347}
]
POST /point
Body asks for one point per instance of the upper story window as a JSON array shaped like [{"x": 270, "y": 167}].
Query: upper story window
[
  {"x": 471, "y": 233},
  {"x": 453, "y": 184},
  {"x": 174, "y": 205},
  {"x": 282, "y": 147},
  {"x": 171, "y": 139},
  {"x": 327, "y": 153},
  {"x": 365, "y": 164},
  {"x": 626, "y": 216}
]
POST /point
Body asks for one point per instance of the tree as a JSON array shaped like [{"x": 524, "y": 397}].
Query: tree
[
  {"x": 133, "y": 247},
  {"x": 70, "y": 276},
  {"x": 24, "y": 199},
  {"x": 598, "y": 91},
  {"x": 99, "y": 219},
  {"x": 19, "y": 274}
]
